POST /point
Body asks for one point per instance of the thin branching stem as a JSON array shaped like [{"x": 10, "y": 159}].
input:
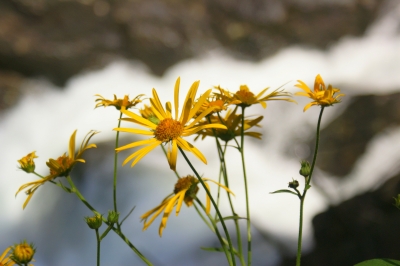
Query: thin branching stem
[
  {"x": 246, "y": 189},
  {"x": 115, "y": 170},
  {"x": 75, "y": 190},
  {"x": 306, "y": 187}
]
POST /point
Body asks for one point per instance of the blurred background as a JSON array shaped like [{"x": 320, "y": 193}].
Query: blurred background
[{"x": 55, "y": 55}]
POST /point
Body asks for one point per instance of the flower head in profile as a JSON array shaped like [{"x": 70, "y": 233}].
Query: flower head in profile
[
  {"x": 5, "y": 258},
  {"x": 185, "y": 191},
  {"x": 61, "y": 166},
  {"x": 217, "y": 101},
  {"x": 233, "y": 122},
  {"x": 23, "y": 253},
  {"x": 169, "y": 127},
  {"x": 27, "y": 164},
  {"x": 321, "y": 95},
  {"x": 118, "y": 103},
  {"x": 245, "y": 98}
]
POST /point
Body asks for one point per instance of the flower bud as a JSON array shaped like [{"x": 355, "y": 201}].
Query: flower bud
[
  {"x": 94, "y": 222},
  {"x": 22, "y": 253},
  {"x": 27, "y": 164},
  {"x": 294, "y": 184},
  {"x": 112, "y": 217},
  {"x": 305, "y": 168}
]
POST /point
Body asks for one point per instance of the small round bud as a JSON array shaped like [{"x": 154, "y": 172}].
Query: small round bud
[
  {"x": 112, "y": 217},
  {"x": 305, "y": 168},
  {"x": 294, "y": 184},
  {"x": 22, "y": 253},
  {"x": 94, "y": 222}
]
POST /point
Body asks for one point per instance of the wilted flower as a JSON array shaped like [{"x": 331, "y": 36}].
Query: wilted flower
[{"x": 185, "y": 191}]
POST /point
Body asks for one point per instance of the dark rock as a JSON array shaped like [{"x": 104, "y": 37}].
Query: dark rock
[
  {"x": 362, "y": 228},
  {"x": 345, "y": 139},
  {"x": 58, "y": 39}
]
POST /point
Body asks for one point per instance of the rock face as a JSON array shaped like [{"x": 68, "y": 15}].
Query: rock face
[
  {"x": 366, "y": 226},
  {"x": 362, "y": 228},
  {"x": 345, "y": 139},
  {"x": 56, "y": 39}
]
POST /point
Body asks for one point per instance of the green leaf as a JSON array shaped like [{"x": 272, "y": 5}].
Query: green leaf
[
  {"x": 234, "y": 217},
  {"x": 213, "y": 249},
  {"x": 379, "y": 262},
  {"x": 284, "y": 191}
]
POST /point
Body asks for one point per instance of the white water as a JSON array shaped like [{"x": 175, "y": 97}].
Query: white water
[{"x": 45, "y": 118}]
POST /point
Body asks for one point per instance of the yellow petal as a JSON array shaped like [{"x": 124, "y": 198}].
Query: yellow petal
[
  {"x": 208, "y": 203},
  {"x": 180, "y": 200},
  {"x": 199, "y": 104},
  {"x": 155, "y": 101},
  {"x": 198, "y": 128},
  {"x": 139, "y": 119},
  {"x": 219, "y": 184},
  {"x": 71, "y": 154},
  {"x": 319, "y": 83},
  {"x": 173, "y": 156},
  {"x": 176, "y": 96},
  {"x": 135, "y": 131},
  {"x": 137, "y": 143}
]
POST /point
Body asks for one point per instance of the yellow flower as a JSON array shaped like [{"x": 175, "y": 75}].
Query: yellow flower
[
  {"x": 185, "y": 191},
  {"x": 233, "y": 122},
  {"x": 60, "y": 167},
  {"x": 22, "y": 253},
  {"x": 244, "y": 97},
  {"x": 217, "y": 101},
  {"x": 168, "y": 129},
  {"x": 321, "y": 95},
  {"x": 27, "y": 164},
  {"x": 6, "y": 260},
  {"x": 118, "y": 103}
]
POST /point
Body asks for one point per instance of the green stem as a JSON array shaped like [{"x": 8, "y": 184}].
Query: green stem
[
  {"x": 115, "y": 170},
  {"x": 300, "y": 237},
  {"x": 75, "y": 190},
  {"x": 221, "y": 154},
  {"x": 104, "y": 234},
  {"x": 211, "y": 225},
  {"x": 231, "y": 260},
  {"x": 306, "y": 187},
  {"x": 249, "y": 253},
  {"x": 98, "y": 247}
]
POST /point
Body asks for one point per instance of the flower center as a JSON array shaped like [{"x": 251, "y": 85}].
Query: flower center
[
  {"x": 188, "y": 183},
  {"x": 168, "y": 129},
  {"x": 63, "y": 166},
  {"x": 245, "y": 95}
]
